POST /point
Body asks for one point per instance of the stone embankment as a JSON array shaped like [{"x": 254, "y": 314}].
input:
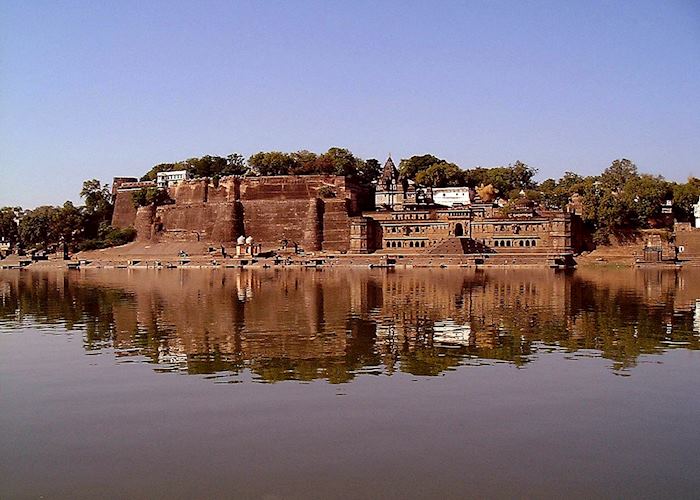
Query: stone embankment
[{"x": 202, "y": 254}]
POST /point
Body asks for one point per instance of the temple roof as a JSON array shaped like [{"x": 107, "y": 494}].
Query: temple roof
[{"x": 389, "y": 172}]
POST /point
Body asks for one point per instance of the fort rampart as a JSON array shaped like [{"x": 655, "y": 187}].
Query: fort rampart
[{"x": 313, "y": 211}]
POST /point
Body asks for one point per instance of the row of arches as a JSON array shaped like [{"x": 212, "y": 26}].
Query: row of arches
[
  {"x": 511, "y": 243},
  {"x": 405, "y": 244}
]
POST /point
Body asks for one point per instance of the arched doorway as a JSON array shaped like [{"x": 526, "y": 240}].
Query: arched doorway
[{"x": 459, "y": 230}]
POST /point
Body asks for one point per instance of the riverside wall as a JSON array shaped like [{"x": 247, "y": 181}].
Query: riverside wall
[{"x": 313, "y": 211}]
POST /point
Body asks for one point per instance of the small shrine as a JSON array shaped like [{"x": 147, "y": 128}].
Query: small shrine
[{"x": 245, "y": 247}]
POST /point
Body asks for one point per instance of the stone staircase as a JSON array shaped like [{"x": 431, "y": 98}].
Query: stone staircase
[{"x": 456, "y": 246}]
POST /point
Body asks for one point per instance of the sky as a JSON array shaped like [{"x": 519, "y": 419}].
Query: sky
[{"x": 101, "y": 89}]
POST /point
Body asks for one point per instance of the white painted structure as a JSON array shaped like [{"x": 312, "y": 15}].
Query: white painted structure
[
  {"x": 166, "y": 179},
  {"x": 696, "y": 212},
  {"x": 450, "y": 196}
]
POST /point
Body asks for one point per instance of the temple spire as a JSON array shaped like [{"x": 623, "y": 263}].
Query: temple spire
[{"x": 389, "y": 172}]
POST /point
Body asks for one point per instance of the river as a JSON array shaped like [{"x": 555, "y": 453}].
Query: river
[{"x": 349, "y": 383}]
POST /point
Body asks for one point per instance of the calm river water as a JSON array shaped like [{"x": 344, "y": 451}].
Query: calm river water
[{"x": 349, "y": 383}]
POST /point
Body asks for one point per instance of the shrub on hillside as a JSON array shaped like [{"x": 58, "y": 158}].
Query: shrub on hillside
[{"x": 111, "y": 237}]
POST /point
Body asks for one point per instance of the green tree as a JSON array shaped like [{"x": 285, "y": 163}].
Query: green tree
[
  {"x": 9, "y": 223},
  {"x": 618, "y": 174},
  {"x": 511, "y": 179},
  {"x": 557, "y": 194},
  {"x": 38, "y": 227},
  {"x": 304, "y": 163},
  {"x": 206, "y": 166},
  {"x": 441, "y": 175},
  {"x": 410, "y": 167},
  {"x": 271, "y": 163},
  {"x": 98, "y": 197},
  {"x": 684, "y": 197},
  {"x": 98, "y": 206},
  {"x": 235, "y": 165},
  {"x": 338, "y": 161},
  {"x": 644, "y": 196},
  {"x": 68, "y": 223},
  {"x": 368, "y": 171}
]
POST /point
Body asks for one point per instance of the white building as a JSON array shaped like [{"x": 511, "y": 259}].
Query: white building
[
  {"x": 166, "y": 179},
  {"x": 450, "y": 196},
  {"x": 696, "y": 212}
]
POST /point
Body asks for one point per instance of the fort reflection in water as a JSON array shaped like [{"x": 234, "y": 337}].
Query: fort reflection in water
[{"x": 337, "y": 324}]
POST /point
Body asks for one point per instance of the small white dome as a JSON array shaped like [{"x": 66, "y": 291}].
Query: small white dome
[
  {"x": 249, "y": 240},
  {"x": 240, "y": 240}
]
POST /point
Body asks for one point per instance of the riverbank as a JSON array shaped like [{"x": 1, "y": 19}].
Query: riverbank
[{"x": 211, "y": 255}]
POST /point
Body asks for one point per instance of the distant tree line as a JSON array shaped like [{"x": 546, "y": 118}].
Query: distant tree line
[
  {"x": 335, "y": 161},
  {"x": 81, "y": 228}
]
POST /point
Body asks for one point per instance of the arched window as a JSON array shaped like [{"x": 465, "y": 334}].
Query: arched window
[
  {"x": 459, "y": 230},
  {"x": 508, "y": 243},
  {"x": 520, "y": 243},
  {"x": 534, "y": 243}
]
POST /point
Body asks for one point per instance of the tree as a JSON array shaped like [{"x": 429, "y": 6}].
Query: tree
[
  {"x": 486, "y": 193},
  {"x": 338, "y": 161},
  {"x": 618, "y": 174},
  {"x": 98, "y": 206},
  {"x": 98, "y": 198},
  {"x": 409, "y": 168},
  {"x": 368, "y": 171},
  {"x": 235, "y": 165},
  {"x": 68, "y": 223},
  {"x": 569, "y": 181},
  {"x": 644, "y": 196},
  {"x": 511, "y": 179},
  {"x": 441, "y": 175},
  {"x": 558, "y": 194},
  {"x": 304, "y": 163},
  {"x": 206, "y": 166},
  {"x": 38, "y": 227},
  {"x": 9, "y": 223},
  {"x": 271, "y": 163},
  {"x": 684, "y": 197}
]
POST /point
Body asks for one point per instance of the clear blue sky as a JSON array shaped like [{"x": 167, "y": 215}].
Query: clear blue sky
[{"x": 97, "y": 89}]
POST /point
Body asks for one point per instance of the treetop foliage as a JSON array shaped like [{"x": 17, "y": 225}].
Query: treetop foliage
[{"x": 335, "y": 161}]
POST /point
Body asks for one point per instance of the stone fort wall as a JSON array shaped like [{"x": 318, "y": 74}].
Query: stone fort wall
[
  {"x": 124, "y": 213},
  {"x": 313, "y": 211}
]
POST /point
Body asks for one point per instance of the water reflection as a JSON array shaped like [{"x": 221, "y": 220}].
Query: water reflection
[{"x": 336, "y": 324}]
